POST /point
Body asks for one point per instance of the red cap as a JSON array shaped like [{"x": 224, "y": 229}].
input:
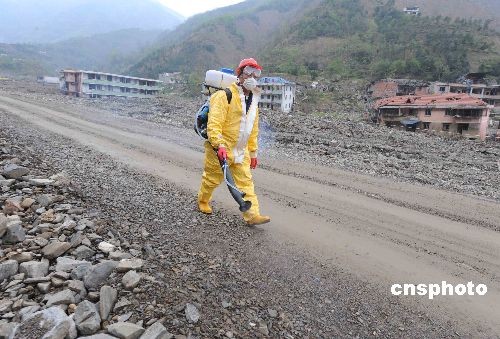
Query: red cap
[{"x": 247, "y": 62}]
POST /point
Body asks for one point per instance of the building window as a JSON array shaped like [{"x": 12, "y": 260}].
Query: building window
[
  {"x": 110, "y": 78},
  {"x": 91, "y": 76},
  {"x": 426, "y": 125},
  {"x": 446, "y": 127},
  {"x": 91, "y": 86},
  {"x": 442, "y": 89},
  {"x": 428, "y": 111}
]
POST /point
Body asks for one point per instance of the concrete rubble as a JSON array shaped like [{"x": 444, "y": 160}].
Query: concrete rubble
[{"x": 47, "y": 275}]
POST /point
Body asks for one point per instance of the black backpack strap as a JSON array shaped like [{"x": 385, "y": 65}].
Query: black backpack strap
[{"x": 229, "y": 95}]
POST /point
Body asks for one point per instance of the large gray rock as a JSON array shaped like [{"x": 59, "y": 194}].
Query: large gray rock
[
  {"x": 66, "y": 264},
  {"x": 76, "y": 239},
  {"x": 7, "y": 330},
  {"x": 77, "y": 286},
  {"x": 35, "y": 269},
  {"x": 13, "y": 171},
  {"x": 108, "y": 296},
  {"x": 83, "y": 252},
  {"x": 14, "y": 233},
  {"x": 51, "y": 323},
  {"x": 106, "y": 247},
  {"x": 45, "y": 200},
  {"x": 7, "y": 269},
  {"x": 98, "y": 274},
  {"x": 125, "y": 330},
  {"x": 121, "y": 304},
  {"x": 129, "y": 264},
  {"x": 192, "y": 313},
  {"x": 64, "y": 297},
  {"x": 55, "y": 248},
  {"x": 40, "y": 182},
  {"x": 155, "y": 331},
  {"x": 131, "y": 279},
  {"x": 22, "y": 257},
  {"x": 8, "y": 182},
  {"x": 79, "y": 272},
  {"x": 87, "y": 318}
]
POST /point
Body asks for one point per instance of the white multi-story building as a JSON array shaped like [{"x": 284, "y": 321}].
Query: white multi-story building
[
  {"x": 277, "y": 93},
  {"x": 412, "y": 10},
  {"x": 97, "y": 84}
]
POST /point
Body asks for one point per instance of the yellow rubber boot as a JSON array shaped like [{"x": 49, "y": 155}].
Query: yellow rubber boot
[
  {"x": 258, "y": 220},
  {"x": 204, "y": 207}
]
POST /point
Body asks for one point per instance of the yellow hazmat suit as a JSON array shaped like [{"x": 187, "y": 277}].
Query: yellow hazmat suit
[{"x": 236, "y": 130}]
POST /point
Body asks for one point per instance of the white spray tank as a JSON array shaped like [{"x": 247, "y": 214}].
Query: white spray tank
[{"x": 220, "y": 79}]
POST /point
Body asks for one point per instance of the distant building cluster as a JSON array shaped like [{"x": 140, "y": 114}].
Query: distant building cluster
[
  {"x": 461, "y": 108},
  {"x": 97, "y": 84},
  {"x": 450, "y": 112}
]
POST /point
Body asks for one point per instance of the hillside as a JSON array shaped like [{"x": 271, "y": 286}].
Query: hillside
[
  {"x": 33, "y": 21},
  {"x": 477, "y": 9},
  {"x": 342, "y": 38},
  {"x": 330, "y": 38},
  {"x": 110, "y": 52},
  {"x": 221, "y": 37}
]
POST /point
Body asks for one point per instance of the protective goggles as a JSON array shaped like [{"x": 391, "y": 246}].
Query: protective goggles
[{"x": 249, "y": 70}]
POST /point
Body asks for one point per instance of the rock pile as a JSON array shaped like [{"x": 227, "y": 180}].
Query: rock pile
[
  {"x": 434, "y": 159},
  {"x": 60, "y": 275}
]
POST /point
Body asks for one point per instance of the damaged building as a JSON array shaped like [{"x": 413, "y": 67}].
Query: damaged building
[
  {"x": 97, "y": 84},
  {"x": 386, "y": 88},
  {"x": 277, "y": 93},
  {"x": 488, "y": 93},
  {"x": 457, "y": 113}
]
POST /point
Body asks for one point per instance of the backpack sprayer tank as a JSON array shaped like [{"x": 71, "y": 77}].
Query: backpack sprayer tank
[
  {"x": 219, "y": 79},
  {"x": 214, "y": 81}
]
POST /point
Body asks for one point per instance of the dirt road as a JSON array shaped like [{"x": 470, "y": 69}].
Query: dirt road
[{"x": 380, "y": 231}]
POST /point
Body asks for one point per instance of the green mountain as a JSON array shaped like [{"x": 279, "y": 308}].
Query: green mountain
[
  {"x": 109, "y": 52},
  {"x": 221, "y": 37},
  {"x": 330, "y": 38}
]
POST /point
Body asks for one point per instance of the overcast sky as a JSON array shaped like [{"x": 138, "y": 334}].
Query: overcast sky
[{"x": 188, "y": 8}]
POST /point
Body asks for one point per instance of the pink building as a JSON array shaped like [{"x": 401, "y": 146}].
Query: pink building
[
  {"x": 395, "y": 87},
  {"x": 450, "y": 113}
]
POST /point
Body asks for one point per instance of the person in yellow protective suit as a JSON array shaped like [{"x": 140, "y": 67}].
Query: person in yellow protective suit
[{"x": 233, "y": 130}]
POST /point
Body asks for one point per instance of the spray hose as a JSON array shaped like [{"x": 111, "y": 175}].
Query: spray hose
[{"x": 236, "y": 193}]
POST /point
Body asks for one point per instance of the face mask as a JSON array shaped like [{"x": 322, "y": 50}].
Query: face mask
[{"x": 250, "y": 84}]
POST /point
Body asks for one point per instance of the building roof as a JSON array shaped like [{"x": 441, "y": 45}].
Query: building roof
[
  {"x": 456, "y": 84},
  {"x": 102, "y": 73},
  {"x": 446, "y": 100},
  {"x": 274, "y": 80}
]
